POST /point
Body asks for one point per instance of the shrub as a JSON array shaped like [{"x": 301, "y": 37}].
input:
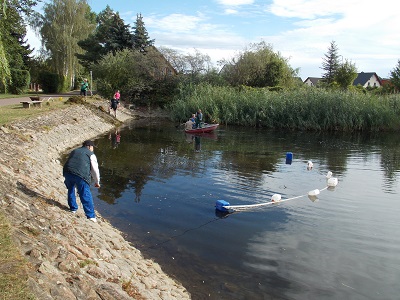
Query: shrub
[
  {"x": 20, "y": 81},
  {"x": 51, "y": 82}
]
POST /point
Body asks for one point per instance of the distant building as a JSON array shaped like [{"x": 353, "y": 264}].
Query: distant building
[
  {"x": 368, "y": 80},
  {"x": 312, "y": 81}
]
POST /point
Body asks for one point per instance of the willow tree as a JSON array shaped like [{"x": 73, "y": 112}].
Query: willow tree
[
  {"x": 64, "y": 23},
  {"x": 5, "y": 74}
]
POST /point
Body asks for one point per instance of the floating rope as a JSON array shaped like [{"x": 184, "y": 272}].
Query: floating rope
[{"x": 225, "y": 206}]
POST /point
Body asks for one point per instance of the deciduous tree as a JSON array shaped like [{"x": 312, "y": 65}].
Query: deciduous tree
[
  {"x": 259, "y": 66},
  {"x": 346, "y": 73},
  {"x": 64, "y": 23}
]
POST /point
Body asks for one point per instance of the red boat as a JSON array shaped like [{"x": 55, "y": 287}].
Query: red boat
[{"x": 204, "y": 128}]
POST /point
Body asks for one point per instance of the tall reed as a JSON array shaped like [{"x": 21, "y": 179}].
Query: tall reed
[{"x": 301, "y": 109}]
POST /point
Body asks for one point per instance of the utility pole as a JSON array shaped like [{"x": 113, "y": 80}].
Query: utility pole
[{"x": 91, "y": 83}]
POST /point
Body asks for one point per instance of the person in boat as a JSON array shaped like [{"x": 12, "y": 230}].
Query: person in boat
[
  {"x": 199, "y": 118},
  {"x": 189, "y": 124},
  {"x": 193, "y": 119}
]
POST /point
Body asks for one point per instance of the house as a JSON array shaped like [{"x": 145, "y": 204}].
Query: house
[
  {"x": 312, "y": 81},
  {"x": 368, "y": 80},
  {"x": 162, "y": 68}
]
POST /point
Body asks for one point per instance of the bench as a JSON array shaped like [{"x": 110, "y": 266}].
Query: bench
[{"x": 27, "y": 104}]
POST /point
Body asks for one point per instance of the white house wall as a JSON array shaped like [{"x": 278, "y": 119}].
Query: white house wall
[{"x": 372, "y": 82}]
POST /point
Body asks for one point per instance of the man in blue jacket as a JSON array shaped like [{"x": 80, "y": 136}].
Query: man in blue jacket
[{"x": 78, "y": 171}]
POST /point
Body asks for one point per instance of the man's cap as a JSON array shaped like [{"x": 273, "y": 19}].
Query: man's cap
[{"x": 88, "y": 143}]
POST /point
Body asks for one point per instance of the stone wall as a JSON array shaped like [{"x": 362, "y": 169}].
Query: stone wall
[{"x": 70, "y": 256}]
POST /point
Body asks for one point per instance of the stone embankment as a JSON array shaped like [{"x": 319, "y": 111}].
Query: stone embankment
[{"x": 70, "y": 256}]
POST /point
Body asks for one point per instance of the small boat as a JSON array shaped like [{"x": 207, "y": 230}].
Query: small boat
[{"x": 203, "y": 129}]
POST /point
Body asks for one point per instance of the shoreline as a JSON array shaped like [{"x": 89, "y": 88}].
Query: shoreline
[{"x": 69, "y": 257}]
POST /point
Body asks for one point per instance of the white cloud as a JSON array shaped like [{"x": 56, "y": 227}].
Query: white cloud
[
  {"x": 364, "y": 31},
  {"x": 174, "y": 22},
  {"x": 235, "y": 2},
  {"x": 230, "y": 11}
]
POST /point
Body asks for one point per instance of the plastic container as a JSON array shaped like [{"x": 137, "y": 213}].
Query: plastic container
[
  {"x": 333, "y": 181},
  {"x": 276, "y": 198},
  {"x": 313, "y": 192},
  {"x": 219, "y": 205},
  {"x": 289, "y": 158}
]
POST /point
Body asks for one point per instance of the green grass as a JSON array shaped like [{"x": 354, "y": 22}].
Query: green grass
[
  {"x": 13, "y": 268},
  {"x": 14, "y": 112},
  {"x": 6, "y": 96}
]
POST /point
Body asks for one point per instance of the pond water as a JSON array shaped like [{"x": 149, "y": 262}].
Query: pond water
[{"x": 160, "y": 186}]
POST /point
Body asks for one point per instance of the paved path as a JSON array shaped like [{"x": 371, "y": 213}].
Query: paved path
[{"x": 12, "y": 101}]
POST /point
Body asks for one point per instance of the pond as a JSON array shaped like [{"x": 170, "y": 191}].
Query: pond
[{"x": 160, "y": 186}]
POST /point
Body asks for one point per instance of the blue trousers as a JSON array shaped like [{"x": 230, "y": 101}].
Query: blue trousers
[{"x": 84, "y": 193}]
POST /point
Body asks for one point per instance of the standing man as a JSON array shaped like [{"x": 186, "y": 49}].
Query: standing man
[
  {"x": 199, "y": 118},
  {"x": 80, "y": 167},
  {"x": 84, "y": 87}
]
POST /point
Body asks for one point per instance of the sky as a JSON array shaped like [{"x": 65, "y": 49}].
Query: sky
[{"x": 366, "y": 32}]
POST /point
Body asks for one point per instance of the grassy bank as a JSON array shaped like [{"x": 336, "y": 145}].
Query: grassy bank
[
  {"x": 302, "y": 109},
  {"x": 14, "y": 112},
  {"x": 13, "y": 267}
]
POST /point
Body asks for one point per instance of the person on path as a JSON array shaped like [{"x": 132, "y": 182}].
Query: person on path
[
  {"x": 114, "y": 105},
  {"x": 117, "y": 95},
  {"x": 84, "y": 87},
  {"x": 78, "y": 171}
]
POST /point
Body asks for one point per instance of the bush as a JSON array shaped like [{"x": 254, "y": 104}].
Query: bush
[
  {"x": 51, "y": 82},
  {"x": 20, "y": 81}
]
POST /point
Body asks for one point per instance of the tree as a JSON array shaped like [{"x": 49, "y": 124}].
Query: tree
[
  {"x": 13, "y": 38},
  {"x": 345, "y": 75},
  {"x": 259, "y": 66},
  {"x": 111, "y": 35},
  {"x": 63, "y": 24},
  {"x": 330, "y": 64},
  {"x": 140, "y": 39},
  {"x": 140, "y": 77},
  {"x": 175, "y": 58},
  {"x": 395, "y": 76},
  {"x": 12, "y": 32}
]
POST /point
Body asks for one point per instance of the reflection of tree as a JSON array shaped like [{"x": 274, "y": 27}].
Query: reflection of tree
[
  {"x": 114, "y": 187},
  {"x": 156, "y": 152}
]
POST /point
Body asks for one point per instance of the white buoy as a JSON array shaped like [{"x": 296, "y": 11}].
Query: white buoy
[
  {"x": 313, "y": 192},
  {"x": 329, "y": 175},
  {"x": 333, "y": 181},
  {"x": 276, "y": 198},
  {"x": 310, "y": 165}
]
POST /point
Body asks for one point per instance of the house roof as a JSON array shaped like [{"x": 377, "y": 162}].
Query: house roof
[
  {"x": 314, "y": 80},
  {"x": 363, "y": 78}
]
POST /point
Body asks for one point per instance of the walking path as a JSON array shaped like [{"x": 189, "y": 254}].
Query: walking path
[{"x": 12, "y": 101}]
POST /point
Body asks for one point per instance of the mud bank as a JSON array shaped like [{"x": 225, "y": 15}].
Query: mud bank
[{"x": 70, "y": 256}]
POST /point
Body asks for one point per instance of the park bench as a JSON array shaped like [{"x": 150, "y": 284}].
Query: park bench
[{"x": 27, "y": 104}]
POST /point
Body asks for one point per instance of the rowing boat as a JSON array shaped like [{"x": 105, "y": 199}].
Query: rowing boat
[{"x": 203, "y": 129}]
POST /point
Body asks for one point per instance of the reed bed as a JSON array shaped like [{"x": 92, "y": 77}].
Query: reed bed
[{"x": 301, "y": 109}]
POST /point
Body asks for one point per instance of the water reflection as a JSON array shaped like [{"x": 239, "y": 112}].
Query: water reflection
[{"x": 160, "y": 187}]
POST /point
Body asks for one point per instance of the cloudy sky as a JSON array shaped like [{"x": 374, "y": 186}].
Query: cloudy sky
[{"x": 366, "y": 32}]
